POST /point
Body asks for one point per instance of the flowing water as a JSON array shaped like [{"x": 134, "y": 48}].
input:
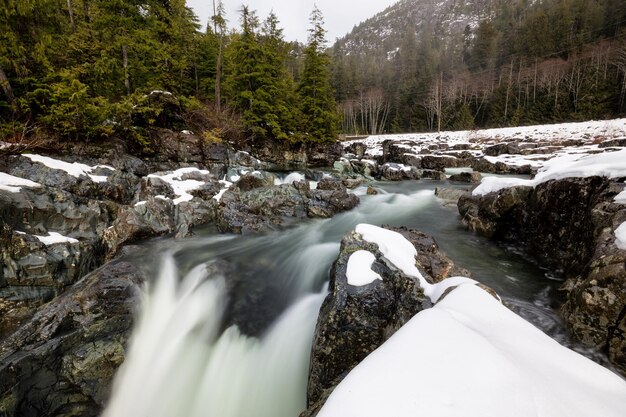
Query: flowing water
[{"x": 226, "y": 326}]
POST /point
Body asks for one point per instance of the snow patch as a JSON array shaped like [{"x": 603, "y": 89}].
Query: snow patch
[
  {"x": 359, "y": 271},
  {"x": 52, "y": 238},
  {"x": 621, "y": 198},
  {"x": 226, "y": 185},
  {"x": 471, "y": 356},
  {"x": 74, "y": 169},
  {"x": 608, "y": 164},
  {"x": 494, "y": 184},
  {"x": 620, "y": 236},
  {"x": 13, "y": 184},
  {"x": 182, "y": 187}
]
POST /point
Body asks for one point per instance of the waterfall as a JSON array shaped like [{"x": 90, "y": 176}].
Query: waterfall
[{"x": 179, "y": 365}]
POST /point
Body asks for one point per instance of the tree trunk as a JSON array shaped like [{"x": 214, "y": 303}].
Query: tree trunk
[
  {"x": 126, "y": 75},
  {"x": 6, "y": 87},
  {"x": 71, "y": 12},
  {"x": 218, "y": 79}
]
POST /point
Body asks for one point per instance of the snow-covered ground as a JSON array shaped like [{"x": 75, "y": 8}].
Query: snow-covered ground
[
  {"x": 609, "y": 164},
  {"x": 591, "y": 133}
]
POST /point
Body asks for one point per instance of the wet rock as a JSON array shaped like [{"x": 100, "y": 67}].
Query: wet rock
[
  {"x": 450, "y": 196},
  {"x": 61, "y": 361},
  {"x": 250, "y": 182},
  {"x": 28, "y": 263},
  {"x": 397, "y": 172},
  {"x": 610, "y": 143},
  {"x": 440, "y": 163},
  {"x": 371, "y": 190},
  {"x": 567, "y": 225},
  {"x": 267, "y": 208},
  {"x": 468, "y": 177},
  {"x": 366, "y": 167},
  {"x": 433, "y": 175},
  {"x": 151, "y": 218},
  {"x": 355, "y": 320},
  {"x": 502, "y": 148},
  {"x": 496, "y": 214}
]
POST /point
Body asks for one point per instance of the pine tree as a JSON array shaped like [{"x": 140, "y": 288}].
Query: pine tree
[{"x": 319, "y": 111}]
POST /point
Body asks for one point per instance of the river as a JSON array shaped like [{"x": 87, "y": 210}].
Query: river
[{"x": 233, "y": 339}]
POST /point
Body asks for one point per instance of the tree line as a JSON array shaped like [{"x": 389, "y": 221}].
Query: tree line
[
  {"x": 92, "y": 69},
  {"x": 528, "y": 63},
  {"x": 95, "y": 69}
]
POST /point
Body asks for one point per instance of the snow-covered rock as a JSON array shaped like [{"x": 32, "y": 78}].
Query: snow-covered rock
[{"x": 471, "y": 356}]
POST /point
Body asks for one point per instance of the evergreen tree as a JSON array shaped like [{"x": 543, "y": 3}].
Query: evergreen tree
[{"x": 319, "y": 110}]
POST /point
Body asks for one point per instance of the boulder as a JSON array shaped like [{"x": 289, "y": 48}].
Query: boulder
[
  {"x": 567, "y": 225},
  {"x": 266, "y": 208},
  {"x": 433, "y": 175},
  {"x": 398, "y": 172},
  {"x": 450, "y": 196},
  {"x": 467, "y": 177},
  {"x": 355, "y": 320},
  {"x": 61, "y": 361}
]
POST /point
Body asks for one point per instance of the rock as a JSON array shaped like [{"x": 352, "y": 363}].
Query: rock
[
  {"x": 496, "y": 214},
  {"x": 61, "y": 362},
  {"x": 330, "y": 184},
  {"x": 397, "y": 172},
  {"x": 153, "y": 218},
  {"x": 266, "y": 208},
  {"x": 371, "y": 190},
  {"x": 440, "y": 163},
  {"x": 32, "y": 270},
  {"x": 290, "y": 156},
  {"x": 343, "y": 166},
  {"x": 355, "y": 320},
  {"x": 366, "y": 167},
  {"x": 610, "y": 143},
  {"x": 450, "y": 196},
  {"x": 502, "y": 148},
  {"x": 250, "y": 182},
  {"x": 357, "y": 148},
  {"x": 567, "y": 225},
  {"x": 433, "y": 175},
  {"x": 468, "y": 177}
]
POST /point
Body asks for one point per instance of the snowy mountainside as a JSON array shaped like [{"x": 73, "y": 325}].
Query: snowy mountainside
[{"x": 444, "y": 18}]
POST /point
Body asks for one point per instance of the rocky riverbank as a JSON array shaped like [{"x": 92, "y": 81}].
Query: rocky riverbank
[
  {"x": 63, "y": 328},
  {"x": 557, "y": 193}
]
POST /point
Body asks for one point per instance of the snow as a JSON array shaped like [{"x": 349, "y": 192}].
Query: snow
[
  {"x": 400, "y": 252},
  {"x": 52, "y": 238},
  {"x": 13, "y": 184},
  {"x": 582, "y": 138},
  {"x": 494, "y": 184},
  {"x": 226, "y": 185},
  {"x": 608, "y": 164},
  {"x": 74, "y": 169},
  {"x": 359, "y": 270},
  {"x": 470, "y": 356},
  {"x": 182, "y": 187},
  {"x": 621, "y": 198},
  {"x": 620, "y": 236}
]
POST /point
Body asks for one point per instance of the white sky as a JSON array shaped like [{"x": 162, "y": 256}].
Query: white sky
[{"x": 340, "y": 16}]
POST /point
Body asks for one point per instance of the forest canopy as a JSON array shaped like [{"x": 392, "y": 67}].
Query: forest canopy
[{"x": 95, "y": 69}]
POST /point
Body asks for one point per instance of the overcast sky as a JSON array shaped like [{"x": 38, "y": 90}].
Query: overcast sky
[{"x": 340, "y": 16}]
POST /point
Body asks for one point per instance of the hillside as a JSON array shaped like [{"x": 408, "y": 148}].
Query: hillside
[{"x": 451, "y": 64}]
